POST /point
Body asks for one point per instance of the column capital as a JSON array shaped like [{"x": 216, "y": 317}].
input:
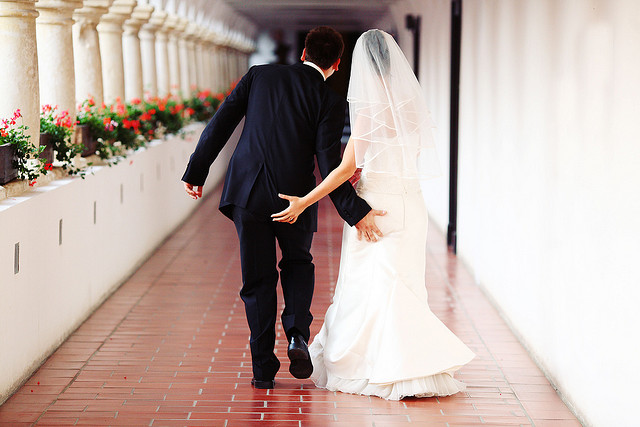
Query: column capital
[
  {"x": 181, "y": 25},
  {"x": 118, "y": 13},
  {"x": 140, "y": 16},
  {"x": 57, "y": 12},
  {"x": 156, "y": 21},
  {"x": 91, "y": 11},
  {"x": 170, "y": 23},
  {"x": 203, "y": 35},
  {"x": 18, "y": 9},
  {"x": 208, "y": 36},
  {"x": 217, "y": 39},
  {"x": 191, "y": 31}
]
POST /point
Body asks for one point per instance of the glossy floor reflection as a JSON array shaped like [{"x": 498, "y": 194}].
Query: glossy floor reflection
[{"x": 170, "y": 347}]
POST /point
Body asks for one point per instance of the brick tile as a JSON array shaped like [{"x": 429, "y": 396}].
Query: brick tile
[{"x": 170, "y": 347}]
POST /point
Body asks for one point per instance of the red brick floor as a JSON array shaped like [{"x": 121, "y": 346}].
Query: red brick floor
[{"x": 170, "y": 347}]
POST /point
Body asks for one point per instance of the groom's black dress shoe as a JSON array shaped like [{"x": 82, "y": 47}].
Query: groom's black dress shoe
[
  {"x": 268, "y": 384},
  {"x": 298, "y": 353}
]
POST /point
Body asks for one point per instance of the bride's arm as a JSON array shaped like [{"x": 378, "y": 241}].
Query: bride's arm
[{"x": 337, "y": 176}]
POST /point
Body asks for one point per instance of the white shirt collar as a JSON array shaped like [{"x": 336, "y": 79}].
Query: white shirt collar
[{"x": 311, "y": 64}]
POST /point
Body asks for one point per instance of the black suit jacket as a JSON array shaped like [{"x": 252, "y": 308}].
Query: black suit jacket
[{"x": 291, "y": 116}]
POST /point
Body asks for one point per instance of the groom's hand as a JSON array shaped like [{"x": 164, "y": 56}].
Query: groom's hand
[
  {"x": 367, "y": 227},
  {"x": 193, "y": 191}
]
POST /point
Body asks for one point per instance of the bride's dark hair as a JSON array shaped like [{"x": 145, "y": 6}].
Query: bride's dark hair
[{"x": 378, "y": 51}]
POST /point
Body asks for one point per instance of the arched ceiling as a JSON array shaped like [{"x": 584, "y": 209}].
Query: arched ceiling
[{"x": 344, "y": 15}]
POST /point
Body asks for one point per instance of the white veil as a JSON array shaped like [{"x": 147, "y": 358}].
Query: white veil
[{"x": 391, "y": 127}]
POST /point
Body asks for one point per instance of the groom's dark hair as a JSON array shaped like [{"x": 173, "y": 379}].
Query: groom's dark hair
[{"x": 324, "y": 46}]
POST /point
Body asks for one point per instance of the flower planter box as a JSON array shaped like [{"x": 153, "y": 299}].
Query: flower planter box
[
  {"x": 83, "y": 136},
  {"x": 7, "y": 171},
  {"x": 47, "y": 153}
]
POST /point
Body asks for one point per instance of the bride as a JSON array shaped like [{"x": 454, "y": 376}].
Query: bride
[{"x": 379, "y": 336}]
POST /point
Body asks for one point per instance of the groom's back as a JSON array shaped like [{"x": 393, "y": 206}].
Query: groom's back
[
  {"x": 285, "y": 106},
  {"x": 291, "y": 115}
]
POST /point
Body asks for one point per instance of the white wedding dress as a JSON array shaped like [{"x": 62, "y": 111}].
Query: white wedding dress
[{"x": 379, "y": 336}]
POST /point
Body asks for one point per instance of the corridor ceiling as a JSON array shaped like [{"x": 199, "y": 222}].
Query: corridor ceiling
[{"x": 344, "y": 15}]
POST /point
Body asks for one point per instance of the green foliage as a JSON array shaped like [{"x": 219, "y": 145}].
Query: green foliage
[
  {"x": 203, "y": 105},
  {"x": 60, "y": 127},
  {"x": 27, "y": 160}
]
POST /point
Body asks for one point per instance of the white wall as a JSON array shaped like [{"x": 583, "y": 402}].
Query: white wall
[
  {"x": 58, "y": 286},
  {"x": 549, "y": 175},
  {"x": 434, "y": 78}
]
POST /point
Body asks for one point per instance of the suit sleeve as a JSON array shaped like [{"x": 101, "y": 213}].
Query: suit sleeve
[
  {"x": 328, "y": 149},
  {"x": 218, "y": 131}
]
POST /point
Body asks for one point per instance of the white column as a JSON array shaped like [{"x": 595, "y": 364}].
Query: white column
[
  {"x": 234, "y": 64},
  {"x": 199, "y": 59},
  {"x": 214, "y": 67},
  {"x": 242, "y": 61},
  {"x": 86, "y": 50},
  {"x": 183, "y": 51},
  {"x": 192, "y": 67},
  {"x": 230, "y": 66},
  {"x": 207, "y": 60},
  {"x": 162, "y": 60},
  {"x": 148, "y": 34},
  {"x": 224, "y": 68},
  {"x": 131, "y": 51},
  {"x": 55, "y": 53},
  {"x": 222, "y": 78},
  {"x": 110, "y": 37},
  {"x": 239, "y": 61},
  {"x": 174, "y": 27},
  {"x": 19, "y": 73}
]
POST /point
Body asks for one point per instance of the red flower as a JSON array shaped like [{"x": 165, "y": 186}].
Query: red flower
[
  {"x": 136, "y": 101},
  {"x": 190, "y": 111},
  {"x": 109, "y": 124},
  {"x": 48, "y": 167},
  {"x": 220, "y": 97},
  {"x": 152, "y": 111},
  {"x": 131, "y": 124},
  {"x": 145, "y": 116},
  {"x": 3, "y": 133},
  {"x": 161, "y": 107},
  {"x": 31, "y": 184},
  {"x": 177, "y": 108}
]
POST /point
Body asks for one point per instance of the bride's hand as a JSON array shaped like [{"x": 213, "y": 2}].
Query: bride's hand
[{"x": 291, "y": 214}]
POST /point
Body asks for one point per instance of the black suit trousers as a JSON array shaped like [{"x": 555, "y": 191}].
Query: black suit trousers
[{"x": 258, "y": 237}]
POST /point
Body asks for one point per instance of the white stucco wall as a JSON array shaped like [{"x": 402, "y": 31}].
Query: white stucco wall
[
  {"x": 58, "y": 286},
  {"x": 548, "y": 186},
  {"x": 548, "y": 181},
  {"x": 434, "y": 76}
]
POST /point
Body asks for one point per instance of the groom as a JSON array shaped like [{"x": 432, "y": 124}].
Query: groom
[{"x": 291, "y": 116}]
